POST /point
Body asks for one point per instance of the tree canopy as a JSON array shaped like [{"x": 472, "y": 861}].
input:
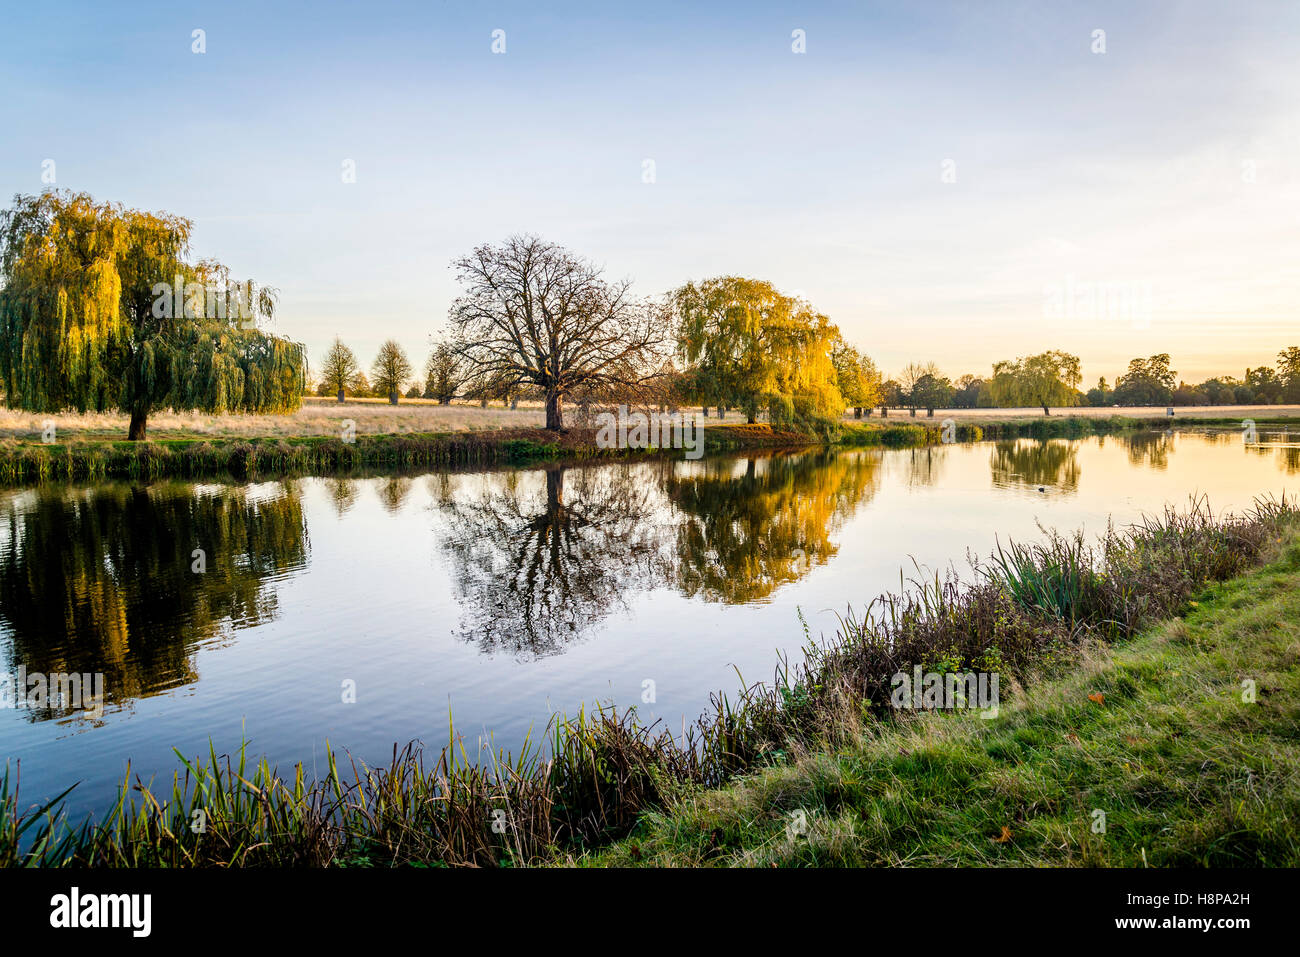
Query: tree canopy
[
  {"x": 339, "y": 370},
  {"x": 856, "y": 375},
  {"x": 1047, "y": 379},
  {"x": 390, "y": 371},
  {"x": 752, "y": 347},
  {"x": 1147, "y": 382},
  {"x": 100, "y": 309},
  {"x": 444, "y": 374},
  {"x": 534, "y": 313}
]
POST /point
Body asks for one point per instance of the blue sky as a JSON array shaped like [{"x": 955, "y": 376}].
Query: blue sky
[{"x": 1165, "y": 170}]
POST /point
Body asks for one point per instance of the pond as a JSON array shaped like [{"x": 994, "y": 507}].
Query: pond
[{"x": 224, "y": 612}]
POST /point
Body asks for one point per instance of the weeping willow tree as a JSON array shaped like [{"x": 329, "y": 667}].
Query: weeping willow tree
[
  {"x": 750, "y": 346},
  {"x": 100, "y": 308}
]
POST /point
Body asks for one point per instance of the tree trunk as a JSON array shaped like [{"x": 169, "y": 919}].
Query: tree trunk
[
  {"x": 445, "y": 401},
  {"x": 137, "y": 430},
  {"x": 554, "y": 490},
  {"x": 884, "y": 411},
  {"x": 514, "y": 403},
  {"x": 392, "y": 398},
  {"x": 857, "y": 411},
  {"x": 1046, "y": 411},
  {"x": 554, "y": 412},
  {"x": 751, "y": 418}
]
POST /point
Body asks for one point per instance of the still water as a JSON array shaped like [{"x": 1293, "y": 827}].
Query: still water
[{"x": 505, "y": 596}]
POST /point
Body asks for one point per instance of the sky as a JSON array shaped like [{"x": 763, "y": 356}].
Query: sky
[{"x": 956, "y": 182}]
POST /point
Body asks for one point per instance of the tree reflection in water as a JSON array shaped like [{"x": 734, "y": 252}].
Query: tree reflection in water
[
  {"x": 1149, "y": 448},
  {"x": 748, "y": 529},
  {"x": 537, "y": 559},
  {"x": 102, "y": 580},
  {"x": 1036, "y": 463}
]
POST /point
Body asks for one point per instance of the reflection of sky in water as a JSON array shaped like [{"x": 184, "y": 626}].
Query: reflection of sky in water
[{"x": 506, "y": 595}]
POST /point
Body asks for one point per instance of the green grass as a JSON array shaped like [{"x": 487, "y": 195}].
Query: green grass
[
  {"x": 1154, "y": 733},
  {"x": 274, "y": 457}
]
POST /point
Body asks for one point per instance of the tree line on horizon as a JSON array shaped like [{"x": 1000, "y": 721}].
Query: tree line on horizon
[{"x": 102, "y": 307}]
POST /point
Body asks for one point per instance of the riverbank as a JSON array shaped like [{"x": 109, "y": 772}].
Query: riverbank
[
  {"x": 1179, "y": 748},
  {"x": 276, "y": 457},
  {"x": 31, "y": 460},
  {"x": 1030, "y": 617}
]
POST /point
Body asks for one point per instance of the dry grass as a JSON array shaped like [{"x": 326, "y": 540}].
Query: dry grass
[
  {"x": 317, "y": 417},
  {"x": 990, "y": 416},
  {"x": 325, "y": 417}
]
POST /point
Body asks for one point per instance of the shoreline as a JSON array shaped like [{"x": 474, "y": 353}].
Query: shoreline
[{"x": 270, "y": 457}]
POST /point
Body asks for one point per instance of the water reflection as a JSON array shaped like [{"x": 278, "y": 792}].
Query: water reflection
[
  {"x": 1151, "y": 449},
  {"x": 539, "y": 559},
  {"x": 104, "y": 580},
  {"x": 1034, "y": 463},
  {"x": 749, "y": 527},
  {"x": 925, "y": 465},
  {"x": 100, "y": 579}
]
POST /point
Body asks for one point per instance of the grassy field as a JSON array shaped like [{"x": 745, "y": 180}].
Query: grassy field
[
  {"x": 325, "y": 417},
  {"x": 1233, "y": 413},
  {"x": 1151, "y": 739}
]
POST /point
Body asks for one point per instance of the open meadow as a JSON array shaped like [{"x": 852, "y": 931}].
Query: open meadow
[{"x": 325, "y": 417}]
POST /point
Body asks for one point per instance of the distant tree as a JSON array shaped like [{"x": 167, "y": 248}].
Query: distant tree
[
  {"x": 931, "y": 392},
  {"x": 856, "y": 376},
  {"x": 338, "y": 370},
  {"x": 101, "y": 308},
  {"x": 413, "y": 392},
  {"x": 966, "y": 392},
  {"x": 390, "y": 371},
  {"x": 444, "y": 375},
  {"x": 360, "y": 386},
  {"x": 1288, "y": 370},
  {"x": 911, "y": 377},
  {"x": 1266, "y": 385},
  {"x": 1047, "y": 379},
  {"x": 891, "y": 396},
  {"x": 1219, "y": 390},
  {"x": 1189, "y": 395},
  {"x": 1100, "y": 394},
  {"x": 1147, "y": 382},
  {"x": 532, "y": 312}
]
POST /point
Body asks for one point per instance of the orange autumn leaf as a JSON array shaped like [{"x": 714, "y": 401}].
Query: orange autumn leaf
[
  {"x": 1006, "y": 835},
  {"x": 1097, "y": 697}
]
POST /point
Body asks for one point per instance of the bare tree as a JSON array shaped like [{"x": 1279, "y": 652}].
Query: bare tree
[{"x": 535, "y": 314}]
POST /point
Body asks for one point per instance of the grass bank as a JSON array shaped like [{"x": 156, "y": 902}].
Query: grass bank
[
  {"x": 30, "y": 460},
  {"x": 821, "y": 737},
  {"x": 274, "y": 457},
  {"x": 1179, "y": 748}
]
